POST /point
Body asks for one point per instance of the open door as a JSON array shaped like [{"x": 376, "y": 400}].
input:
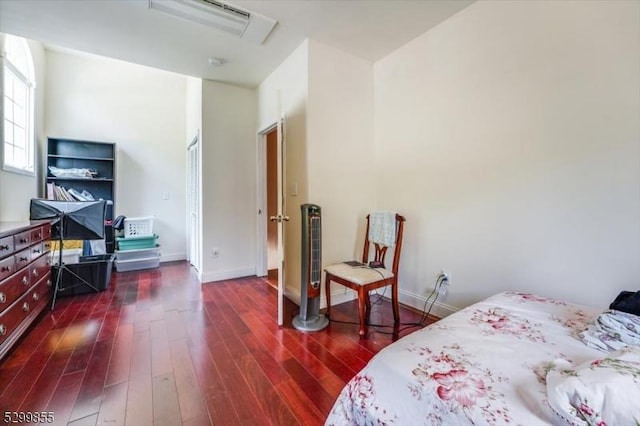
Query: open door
[
  {"x": 280, "y": 218},
  {"x": 272, "y": 209}
]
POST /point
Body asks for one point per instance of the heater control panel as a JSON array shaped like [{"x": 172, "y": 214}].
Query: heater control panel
[{"x": 25, "y": 278}]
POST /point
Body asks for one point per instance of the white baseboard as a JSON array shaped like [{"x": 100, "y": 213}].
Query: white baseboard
[
  {"x": 293, "y": 296},
  {"x": 417, "y": 301},
  {"x": 228, "y": 274},
  {"x": 408, "y": 298},
  {"x": 172, "y": 257},
  {"x": 339, "y": 298},
  {"x": 336, "y": 298}
]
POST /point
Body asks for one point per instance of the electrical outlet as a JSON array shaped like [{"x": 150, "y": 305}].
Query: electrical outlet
[
  {"x": 447, "y": 277},
  {"x": 215, "y": 252}
]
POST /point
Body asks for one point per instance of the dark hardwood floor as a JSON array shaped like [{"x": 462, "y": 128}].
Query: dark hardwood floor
[{"x": 158, "y": 348}]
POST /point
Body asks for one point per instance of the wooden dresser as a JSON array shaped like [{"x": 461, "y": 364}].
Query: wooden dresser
[{"x": 25, "y": 277}]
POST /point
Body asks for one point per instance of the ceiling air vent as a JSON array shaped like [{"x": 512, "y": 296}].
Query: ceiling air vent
[{"x": 246, "y": 25}]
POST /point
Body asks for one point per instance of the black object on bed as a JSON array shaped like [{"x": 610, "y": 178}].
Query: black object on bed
[{"x": 627, "y": 301}]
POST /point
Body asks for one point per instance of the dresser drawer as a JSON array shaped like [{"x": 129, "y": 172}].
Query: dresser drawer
[
  {"x": 22, "y": 258},
  {"x": 46, "y": 246},
  {"x": 12, "y": 288},
  {"x": 6, "y": 246},
  {"x": 30, "y": 303},
  {"x": 7, "y": 267},
  {"x": 37, "y": 250},
  {"x": 46, "y": 232},
  {"x": 41, "y": 292},
  {"x": 40, "y": 268},
  {"x": 35, "y": 235},
  {"x": 11, "y": 318},
  {"x": 21, "y": 240}
]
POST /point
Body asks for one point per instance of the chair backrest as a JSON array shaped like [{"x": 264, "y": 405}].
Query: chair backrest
[{"x": 381, "y": 250}]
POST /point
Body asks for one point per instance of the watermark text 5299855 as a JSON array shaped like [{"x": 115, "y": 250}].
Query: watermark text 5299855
[{"x": 28, "y": 417}]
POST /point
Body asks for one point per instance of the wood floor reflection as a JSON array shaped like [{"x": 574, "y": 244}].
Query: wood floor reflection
[{"x": 159, "y": 348}]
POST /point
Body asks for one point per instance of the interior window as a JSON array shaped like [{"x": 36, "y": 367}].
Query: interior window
[{"x": 18, "y": 85}]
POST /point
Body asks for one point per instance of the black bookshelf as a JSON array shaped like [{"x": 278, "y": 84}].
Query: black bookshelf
[{"x": 96, "y": 156}]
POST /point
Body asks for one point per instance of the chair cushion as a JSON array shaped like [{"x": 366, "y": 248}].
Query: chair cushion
[{"x": 358, "y": 274}]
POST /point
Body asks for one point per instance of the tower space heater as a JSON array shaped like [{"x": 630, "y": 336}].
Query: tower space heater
[{"x": 309, "y": 318}]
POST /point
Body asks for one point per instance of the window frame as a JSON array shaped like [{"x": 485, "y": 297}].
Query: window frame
[{"x": 28, "y": 81}]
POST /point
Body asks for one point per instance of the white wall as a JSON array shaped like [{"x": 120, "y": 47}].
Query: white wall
[
  {"x": 285, "y": 89},
  {"x": 229, "y": 118},
  {"x": 285, "y": 92},
  {"x": 142, "y": 110},
  {"x": 509, "y": 135},
  {"x": 340, "y": 159},
  {"x": 193, "y": 114},
  {"x": 326, "y": 96},
  {"x": 17, "y": 190}
]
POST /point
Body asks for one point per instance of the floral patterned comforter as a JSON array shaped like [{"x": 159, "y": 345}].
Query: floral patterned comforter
[{"x": 485, "y": 364}]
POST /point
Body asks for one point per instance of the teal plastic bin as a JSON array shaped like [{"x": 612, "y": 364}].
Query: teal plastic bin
[{"x": 136, "y": 243}]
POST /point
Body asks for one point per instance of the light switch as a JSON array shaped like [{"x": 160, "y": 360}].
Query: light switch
[
  {"x": 293, "y": 189},
  {"x": 165, "y": 195}
]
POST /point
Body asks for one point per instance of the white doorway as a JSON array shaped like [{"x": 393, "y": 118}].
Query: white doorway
[
  {"x": 271, "y": 180},
  {"x": 271, "y": 210}
]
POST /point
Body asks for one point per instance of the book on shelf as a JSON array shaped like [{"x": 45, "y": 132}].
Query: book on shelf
[
  {"x": 51, "y": 195},
  {"x": 57, "y": 192}
]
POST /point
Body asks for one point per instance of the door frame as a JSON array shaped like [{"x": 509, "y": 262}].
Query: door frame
[
  {"x": 262, "y": 214},
  {"x": 194, "y": 191}
]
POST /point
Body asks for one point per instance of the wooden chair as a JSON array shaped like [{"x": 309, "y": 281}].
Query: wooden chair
[{"x": 364, "y": 278}]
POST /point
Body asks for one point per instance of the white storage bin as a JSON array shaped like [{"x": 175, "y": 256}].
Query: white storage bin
[
  {"x": 138, "y": 227},
  {"x": 137, "y": 264},
  {"x": 138, "y": 254},
  {"x": 69, "y": 256}
]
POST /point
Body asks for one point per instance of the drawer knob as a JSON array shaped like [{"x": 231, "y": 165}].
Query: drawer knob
[
  {"x": 24, "y": 259},
  {"x": 3, "y": 329},
  {"x": 35, "y": 273},
  {"x": 35, "y": 296},
  {"x": 25, "y": 280},
  {"x": 49, "y": 283},
  {"x": 36, "y": 250},
  {"x": 25, "y": 307},
  {"x": 5, "y": 269},
  {"x": 3, "y": 298},
  {"x": 4, "y": 247},
  {"x": 23, "y": 240}
]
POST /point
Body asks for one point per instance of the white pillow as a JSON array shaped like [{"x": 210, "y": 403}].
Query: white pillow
[{"x": 604, "y": 391}]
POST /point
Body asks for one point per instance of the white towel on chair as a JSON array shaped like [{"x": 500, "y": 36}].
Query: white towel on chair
[{"x": 382, "y": 228}]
